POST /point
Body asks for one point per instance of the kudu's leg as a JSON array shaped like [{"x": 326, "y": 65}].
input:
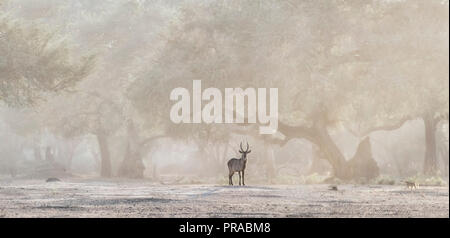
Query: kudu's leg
[
  {"x": 243, "y": 177},
  {"x": 230, "y": 178},
  {"x": 239, "y": 172}
]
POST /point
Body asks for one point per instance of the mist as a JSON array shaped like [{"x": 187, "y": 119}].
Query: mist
[{"x": 363, "y": 90}]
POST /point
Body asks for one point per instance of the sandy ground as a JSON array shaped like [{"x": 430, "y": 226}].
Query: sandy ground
[{"x": 36, "y": 198}]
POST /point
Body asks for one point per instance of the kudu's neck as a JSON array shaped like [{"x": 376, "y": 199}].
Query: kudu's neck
[{"x": 243, "y": 157}]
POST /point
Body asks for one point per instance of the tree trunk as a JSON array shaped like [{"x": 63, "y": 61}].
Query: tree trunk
[
  {"x": 318, "y": 165},
  {"x": 332, "y": 153},
  {"x": 430, "y": 163},
  {"x": 318, "y": 135},
  {"x": 132, "y": 165},
  {"x": 37, "y": 153},
  {"x": 105, "y": 170},
  {"x": 362, "y": 165},
  {"x": 443, "y": 151}
]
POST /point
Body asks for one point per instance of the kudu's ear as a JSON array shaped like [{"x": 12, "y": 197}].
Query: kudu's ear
[{"x": 249, "y": 151}]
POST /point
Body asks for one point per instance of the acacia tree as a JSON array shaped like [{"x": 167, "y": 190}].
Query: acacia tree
[
  {"x": 337, "y": 64},
  {"x": 34, "y": 62},
  {"x": 89, "y": 114},
  {"x": 377, "y": 70},
  {"x": 225, "y": 48},
  {"x": 409, "y": 58},
  {"x": 100, "y": 106}
]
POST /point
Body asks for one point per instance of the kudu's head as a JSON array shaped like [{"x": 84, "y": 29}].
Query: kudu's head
[{"x": 244, "y": 152}]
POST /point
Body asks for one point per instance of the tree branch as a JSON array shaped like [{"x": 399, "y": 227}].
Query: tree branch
[
  {"x": 150, "y": 139},
  {"x": 389, "y": 127}
]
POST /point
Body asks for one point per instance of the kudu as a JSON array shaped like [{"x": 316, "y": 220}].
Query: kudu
[{"x": 238, "y": 165}]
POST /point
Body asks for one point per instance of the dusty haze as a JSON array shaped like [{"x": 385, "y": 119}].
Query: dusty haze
[{"x": 363, "y": 97}]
